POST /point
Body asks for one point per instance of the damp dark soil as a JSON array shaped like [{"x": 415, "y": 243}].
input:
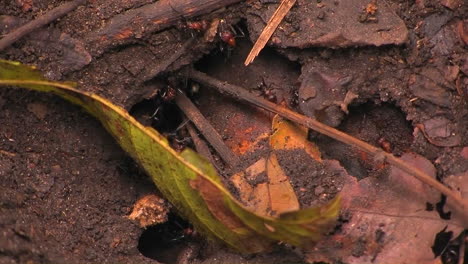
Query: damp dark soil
[{"x": 66, "y": 188}]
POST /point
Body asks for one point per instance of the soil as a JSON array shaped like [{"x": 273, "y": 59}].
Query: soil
[{"x": 66, "y": 188}]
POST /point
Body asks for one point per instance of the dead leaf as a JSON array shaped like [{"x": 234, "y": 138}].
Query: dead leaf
[
  {"x": 264, "y": 187},
  {"x": 441, "y": 132},
  {"x": 185, "y": 179},
  {"x": 387, "y": 220},
  {"x": 288, "y": 136},
  {"x": 214, "y": 199},
  {"x": 253, "y": 187},
  {"x": 282, "y": 196}
]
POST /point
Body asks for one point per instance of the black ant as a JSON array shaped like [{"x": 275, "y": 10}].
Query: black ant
[
  {"x": 166, "y": 96},
  {"x": 266, "y": 91}
]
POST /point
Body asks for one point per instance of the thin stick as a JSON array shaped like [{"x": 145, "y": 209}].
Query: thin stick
[
  {"x": 207, "y": 130},
  {"x": 269, "y": 29},
  {"x": 242, "y": 94},
  {"x": 52, "y": 15},
  {"x": 139, "y": 22},
  {"x": 200, "y": 145},
  {"x": 7, "y": 153}
]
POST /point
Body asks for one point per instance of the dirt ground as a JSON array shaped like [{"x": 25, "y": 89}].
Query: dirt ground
[{"x": 66, "y": 188}]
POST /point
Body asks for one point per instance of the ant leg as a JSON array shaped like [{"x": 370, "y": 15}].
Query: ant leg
[
  {"x": 239, "y": 32},
  {"x": 182, "y": 125},
  {"x": 155, "y": 113}
]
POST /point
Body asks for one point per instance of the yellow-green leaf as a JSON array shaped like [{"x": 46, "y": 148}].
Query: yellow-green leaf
[{"x": 187, "y": 180}]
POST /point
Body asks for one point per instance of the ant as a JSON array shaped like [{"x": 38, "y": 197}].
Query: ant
[
  {"x": 266, "y": 91},
  {"x": 229, "y": 33},
  {"x": 166, "y": 96}
]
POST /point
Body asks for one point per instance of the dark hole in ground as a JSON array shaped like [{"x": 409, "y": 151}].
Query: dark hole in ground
[
  {"x": 440, "y": 208},
  {"x": 271, "y": 75},
  {"x": 441, "y": 242},
  {"x": 165, "y": 117},
  {"x": 383, "y": 125},
  {"x": 161, "y": 113},
  {"x": 164, "y": 242},
  {"x": 451, "y": 254}
]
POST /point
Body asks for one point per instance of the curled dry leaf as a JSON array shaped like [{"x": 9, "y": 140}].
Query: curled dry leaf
[
  {"x": 441, "y": 132},
  {"x": 266, "y": 189},
  {"x": 387, "y": 220},
  {"x": 188, "y": 181}
]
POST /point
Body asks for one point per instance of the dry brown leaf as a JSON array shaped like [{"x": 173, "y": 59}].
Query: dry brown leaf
[
  {"x": 387, "y": 220},
  {"x": 253, "y": 188},
  {"x": 282, "y": 196},
  {"x": 264, "y": 187},
  {"x": 288, "y": 136},
  {"x": 217, "y": 207}
]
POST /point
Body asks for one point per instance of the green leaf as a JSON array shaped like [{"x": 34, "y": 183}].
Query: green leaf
[{"x": 187, "y": 180}]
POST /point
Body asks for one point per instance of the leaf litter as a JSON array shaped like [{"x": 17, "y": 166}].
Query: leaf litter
[
  {"x": 187, "y": 180},
  {"x": 387, "y": 220}
]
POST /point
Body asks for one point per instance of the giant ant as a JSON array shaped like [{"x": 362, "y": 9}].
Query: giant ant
[{"x": 228, "y": 34}]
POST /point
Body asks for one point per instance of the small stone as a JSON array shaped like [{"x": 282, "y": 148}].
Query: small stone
[
  {"x": 319, "y": 190},
  {"x": 150, "y": 210},
  {"x": 276, "y": 40}
]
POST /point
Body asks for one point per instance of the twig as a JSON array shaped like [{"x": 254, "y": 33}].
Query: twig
[
  {"x": 207, "y": 130},
  {"x": 200, "y": 145},
  {"x": 138, "y": 22},
  {"x": 7, "y": 153},
  {"x": 242, "y": 94},
  {"x": 52, "y": 15},
  {"x": 271, "y": 26}
]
